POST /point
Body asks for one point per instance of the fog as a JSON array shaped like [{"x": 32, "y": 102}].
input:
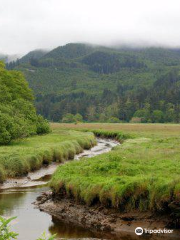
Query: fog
[{"x": 29, "y": 25}]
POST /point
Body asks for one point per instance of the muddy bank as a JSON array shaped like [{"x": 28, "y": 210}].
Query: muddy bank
[{"x": 109, "y": 222}]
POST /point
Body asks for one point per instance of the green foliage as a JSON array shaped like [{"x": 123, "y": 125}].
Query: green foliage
[
  {"x": 5, "y": 232},
  {"x": 70, "y": 118},
  {"x": 113, "y": 120},
  {"x": 36, "y": 54},
  {"x": 29, "y": 154},
  {"x": 42, "y": 125},
  {"x": 18, "y": 116},
  {"x": 157, "y": 116},
  {"x": 70, "y": 51},
  {"x": 78, "y": 118},
  {"x": 144, "y": 114},
  {"x": 44, "y": 237}
]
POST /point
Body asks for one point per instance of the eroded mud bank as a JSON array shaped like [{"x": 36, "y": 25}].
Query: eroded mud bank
[{"x": 107, "y": 222}]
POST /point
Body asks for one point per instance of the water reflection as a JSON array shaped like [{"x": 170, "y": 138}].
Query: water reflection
[
  {"x": 69, "y": 230},
  {"x": 30, "y": 222},
  {"x": 9, "y": 201}
]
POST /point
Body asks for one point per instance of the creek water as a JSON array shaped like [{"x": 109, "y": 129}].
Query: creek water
[{"x": 17, "y": 196}]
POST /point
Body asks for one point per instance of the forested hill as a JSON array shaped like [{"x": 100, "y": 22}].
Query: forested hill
[{"x": 105, "y": 84}]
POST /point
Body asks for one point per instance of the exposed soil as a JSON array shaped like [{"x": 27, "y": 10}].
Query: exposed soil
[{"x": 111, "y": 223}]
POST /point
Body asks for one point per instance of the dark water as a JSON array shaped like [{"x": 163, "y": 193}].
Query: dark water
[{"x": 30, "y": 222}]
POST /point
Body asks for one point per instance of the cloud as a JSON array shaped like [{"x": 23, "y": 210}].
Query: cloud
[{"x": 27, "y": 25}]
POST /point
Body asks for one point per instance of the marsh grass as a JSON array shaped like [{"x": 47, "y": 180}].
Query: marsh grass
[
  {"x": 22, "y": 156},
  {"x": 142, "y": 173}
]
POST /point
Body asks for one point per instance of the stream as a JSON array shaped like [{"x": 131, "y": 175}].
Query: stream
[{"x": 17, "y": 196}]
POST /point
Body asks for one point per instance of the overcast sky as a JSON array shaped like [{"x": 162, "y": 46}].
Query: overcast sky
[{"x": 28, "y": 25}]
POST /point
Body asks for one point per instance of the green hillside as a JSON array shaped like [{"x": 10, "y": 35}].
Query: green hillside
[
  {"x": 36, "y": 54},
  {"x": 106, "y": 84}
]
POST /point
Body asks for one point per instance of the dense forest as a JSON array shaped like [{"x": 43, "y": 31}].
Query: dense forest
[
  {"x": 79, "y": 82},
  {"x": 18, "y": 116}
]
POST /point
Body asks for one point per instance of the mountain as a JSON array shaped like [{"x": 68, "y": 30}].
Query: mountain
[
  {"x": 8, "y": 58},
  {"x": 36, "y": 54},
  {"x": 70, "y": 51},
  {"x": 105, "y": 83}
]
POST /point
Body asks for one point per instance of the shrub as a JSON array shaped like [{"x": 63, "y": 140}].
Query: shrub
[
  {"x": 113, "y": 120},
  {"x": 7, "y": 234},
  {"x": 68, "y": 118},
  {"x": 42, "y": 125}
]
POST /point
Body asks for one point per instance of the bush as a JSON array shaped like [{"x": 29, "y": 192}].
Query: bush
[
  {"x": 113, "y": 120},
  {"x": 7, "y": 234},
  {"x": 70, "y": 118},
  {"x": 42, "y": 125},
  {"x": 157, "y": 116}
]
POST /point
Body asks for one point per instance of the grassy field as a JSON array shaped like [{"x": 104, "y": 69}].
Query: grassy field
[
  {"x": 138, "y": 130},
  {"x": 29, "y": 154},
  {"x": 142, "y": 173}
]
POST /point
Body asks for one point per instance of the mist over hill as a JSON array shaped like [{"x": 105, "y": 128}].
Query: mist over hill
[{"x": 105, "y": 83}]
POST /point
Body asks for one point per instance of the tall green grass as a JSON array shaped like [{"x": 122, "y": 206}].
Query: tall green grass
[
  {"x": 141, "y": 173},
  {"x": 116, "y": 135},
  {"x": 30, "y": 154}
]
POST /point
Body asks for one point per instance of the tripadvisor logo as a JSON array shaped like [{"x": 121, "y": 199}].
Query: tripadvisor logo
[{"x": 139, "y": 231}]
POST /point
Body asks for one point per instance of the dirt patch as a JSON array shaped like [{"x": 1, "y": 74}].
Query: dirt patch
[{"x": 111, "y": 223}]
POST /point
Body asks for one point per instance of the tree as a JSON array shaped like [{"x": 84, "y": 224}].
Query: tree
[
  {"x": 113, "y": 120},
  {"x": 157, "y": 116},
  {"x": 91, "y": 113},
  {"x": 18, "y": 116},
  {"x": 68, "y": 118},
  {"x": 78, "y": 118}
]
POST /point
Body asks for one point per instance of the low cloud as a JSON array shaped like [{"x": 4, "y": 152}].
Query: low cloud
[{"x": 28, "y": 25}]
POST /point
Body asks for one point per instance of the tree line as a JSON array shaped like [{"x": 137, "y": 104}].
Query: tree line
[{"x": 160, "y": 103}]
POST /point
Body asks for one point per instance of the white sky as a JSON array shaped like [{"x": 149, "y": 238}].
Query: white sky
[{"x": 26, "y": 25}]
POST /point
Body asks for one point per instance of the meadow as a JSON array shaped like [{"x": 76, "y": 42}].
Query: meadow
[
  {"x": 142, "y": 173},
  {"x": 29, "y": 154}
]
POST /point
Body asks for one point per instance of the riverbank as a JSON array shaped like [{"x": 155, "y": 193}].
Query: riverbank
[
  {"x": 26, "y": 155},
  {"x": 140, "y": 175},
  {"x": 106, "y": 222}
]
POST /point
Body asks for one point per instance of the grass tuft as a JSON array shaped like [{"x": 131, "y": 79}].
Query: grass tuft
[{"x": 30, "y": 154}]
